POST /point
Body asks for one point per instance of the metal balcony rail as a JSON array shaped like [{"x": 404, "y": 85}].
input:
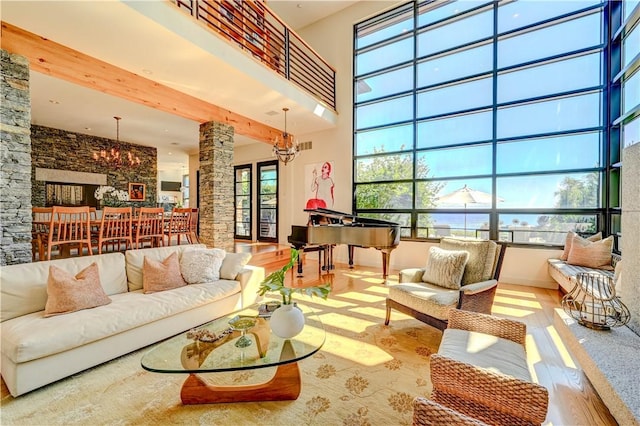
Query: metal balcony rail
[{"x": 252, "y": 26}]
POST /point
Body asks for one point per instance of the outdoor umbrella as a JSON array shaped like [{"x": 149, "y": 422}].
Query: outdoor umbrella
[{"x": 466, "y": 195}]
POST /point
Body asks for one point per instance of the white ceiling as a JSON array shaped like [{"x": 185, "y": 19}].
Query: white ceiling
[{"x": 147, "y": 39}]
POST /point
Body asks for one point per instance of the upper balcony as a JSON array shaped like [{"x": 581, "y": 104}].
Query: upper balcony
[{"x": 253, "y": 27}]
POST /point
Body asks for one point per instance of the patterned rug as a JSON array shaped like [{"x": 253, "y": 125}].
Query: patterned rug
[{"x": 365, "y": 374}]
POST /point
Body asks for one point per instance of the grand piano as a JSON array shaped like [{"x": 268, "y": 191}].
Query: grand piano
[{"x": 326, "y": 228}]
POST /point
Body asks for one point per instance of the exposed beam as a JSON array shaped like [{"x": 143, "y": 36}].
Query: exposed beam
[{"x": 53, "y": 59}]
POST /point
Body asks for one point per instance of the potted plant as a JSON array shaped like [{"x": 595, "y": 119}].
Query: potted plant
[{"x": 286, "y": 321}]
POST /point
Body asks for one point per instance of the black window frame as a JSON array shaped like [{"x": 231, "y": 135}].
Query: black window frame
[{"x": 606, "y": 213}]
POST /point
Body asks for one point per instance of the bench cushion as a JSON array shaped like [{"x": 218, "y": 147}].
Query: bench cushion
[{"x": 564, "y": 273}]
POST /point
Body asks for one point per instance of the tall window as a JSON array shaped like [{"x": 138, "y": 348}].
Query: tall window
[
  {"x": 482, "y": 118},
  {"x": 242, "y": 195},
  {"x": 624, "y": 98},
  {"x": 268, "y": 201}
]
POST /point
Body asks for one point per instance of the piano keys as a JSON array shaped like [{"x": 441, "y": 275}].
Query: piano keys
[{"x": 326, "y": 228}]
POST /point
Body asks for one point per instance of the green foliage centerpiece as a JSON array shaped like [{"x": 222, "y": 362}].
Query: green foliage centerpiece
[
  {"x": 274, "y": 282},
  {"x": 287, "y": 321}
]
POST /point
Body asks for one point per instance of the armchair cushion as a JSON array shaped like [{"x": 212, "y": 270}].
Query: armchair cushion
[
  {"x": 482, "y": 257},
  {"x": 445, "y": 267},
  {"x": 425, "y": 297}
]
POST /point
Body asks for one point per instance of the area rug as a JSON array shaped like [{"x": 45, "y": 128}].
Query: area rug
[{"x": 365, "y": 374}]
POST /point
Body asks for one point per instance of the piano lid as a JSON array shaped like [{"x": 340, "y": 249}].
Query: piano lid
[{"x": 334, "y": 216}]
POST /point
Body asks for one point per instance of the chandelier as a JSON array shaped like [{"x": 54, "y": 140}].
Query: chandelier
[
  {"x": 288, "y": 150},
  {"x": 112, "y": 157}
]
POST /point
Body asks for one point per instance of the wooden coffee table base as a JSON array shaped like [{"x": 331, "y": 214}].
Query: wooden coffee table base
[{"x": 285, "y": 385}]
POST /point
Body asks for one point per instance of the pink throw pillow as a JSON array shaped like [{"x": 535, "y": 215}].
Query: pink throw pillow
[
  {"x": 66, "y": 293},
  {"x": 595, "y": 254},
  {"x": 161, "y": 276},
  {"x": 569, "y": 240}
]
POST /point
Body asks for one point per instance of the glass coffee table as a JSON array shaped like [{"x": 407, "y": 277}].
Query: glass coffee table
[{"x": 239, "y": 341}]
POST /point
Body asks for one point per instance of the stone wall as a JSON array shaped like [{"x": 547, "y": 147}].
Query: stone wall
[
  {"x": 63, "y": 150},
  {"x": 630, "y": 292},
  {"x": 215, "y": 192},
  {"x": 15, "y": 160}
]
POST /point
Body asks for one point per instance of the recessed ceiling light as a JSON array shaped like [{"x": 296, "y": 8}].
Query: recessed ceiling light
[
  {"x": 299, "y": 5},
  {"x": 87, "y": 128},
  {"x": 147, "y": 72},
  {"x": 271, "y": 112},
  {"x": 169, "y": 153},
  {"x": 53, "y": 101},
  {"x": 174, "y": 143}
]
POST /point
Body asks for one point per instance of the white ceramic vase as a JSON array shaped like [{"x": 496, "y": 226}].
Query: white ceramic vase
[{"x": 287, "y": 321}]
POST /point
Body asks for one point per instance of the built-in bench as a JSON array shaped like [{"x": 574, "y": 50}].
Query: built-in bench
[
  {"x": 565, "y": 274},
  {"x": 608, "y": 358}
]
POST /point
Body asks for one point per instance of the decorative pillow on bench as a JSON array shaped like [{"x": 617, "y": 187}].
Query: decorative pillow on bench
[
  {"x": 569, "y": 240},
  {"x": 596, "y": 254}
]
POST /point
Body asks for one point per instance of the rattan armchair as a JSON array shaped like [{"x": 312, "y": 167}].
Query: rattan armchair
[
  {"x": 431, "y": 304},
  {"x": 491, "y": 385}
]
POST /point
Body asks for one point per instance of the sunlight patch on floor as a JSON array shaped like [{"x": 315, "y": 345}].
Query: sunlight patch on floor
[
  {"x": 377, "y": 289},
  {"x": 361, "y": 297},
  {"x": 373, "y": 280},
  {"x": 351, "y": 349},
  {"x": 509, "y": 311},
  {"x": 373, "y": 312},
  {"x": 346, "y": 322},
  {"x": 534, "y": 304},
  {"x": 337, "y": 302},
  {"x": 516, "y": 293},
  {"x": 562, "y": 349},
  {"x": 533, "y": 357}
]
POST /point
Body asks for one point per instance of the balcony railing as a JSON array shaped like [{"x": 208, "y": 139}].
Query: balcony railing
[{"x": 252, "y": 26}]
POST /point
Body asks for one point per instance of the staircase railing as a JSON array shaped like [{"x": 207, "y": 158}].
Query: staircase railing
[{"x": 252, "y": 26}]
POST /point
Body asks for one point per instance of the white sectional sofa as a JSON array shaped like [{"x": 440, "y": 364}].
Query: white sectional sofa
[{"x": 38, "y": 350}]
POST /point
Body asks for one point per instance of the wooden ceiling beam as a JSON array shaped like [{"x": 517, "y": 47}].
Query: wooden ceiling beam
[{"x": 53, "y": 59}]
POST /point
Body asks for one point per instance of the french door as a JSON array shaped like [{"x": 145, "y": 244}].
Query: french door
[{"x": 267, "y": 190}]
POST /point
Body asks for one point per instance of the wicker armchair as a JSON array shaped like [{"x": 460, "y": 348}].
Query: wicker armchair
[
  {"x": 431, "y": 303},
  {"x": 480, "y": 374}
]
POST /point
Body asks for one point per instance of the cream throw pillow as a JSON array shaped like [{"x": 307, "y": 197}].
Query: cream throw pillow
[
  {"x": 232, "y": 264},
  {"x": 66, "y": 293},
  {"x": 445, "y": 267},
  {"x": 569, "y": 240},
  {"x": 161, "y": 276},
  {"x": 596, "y": 254},
  {"x": 201, "y": 266}
]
